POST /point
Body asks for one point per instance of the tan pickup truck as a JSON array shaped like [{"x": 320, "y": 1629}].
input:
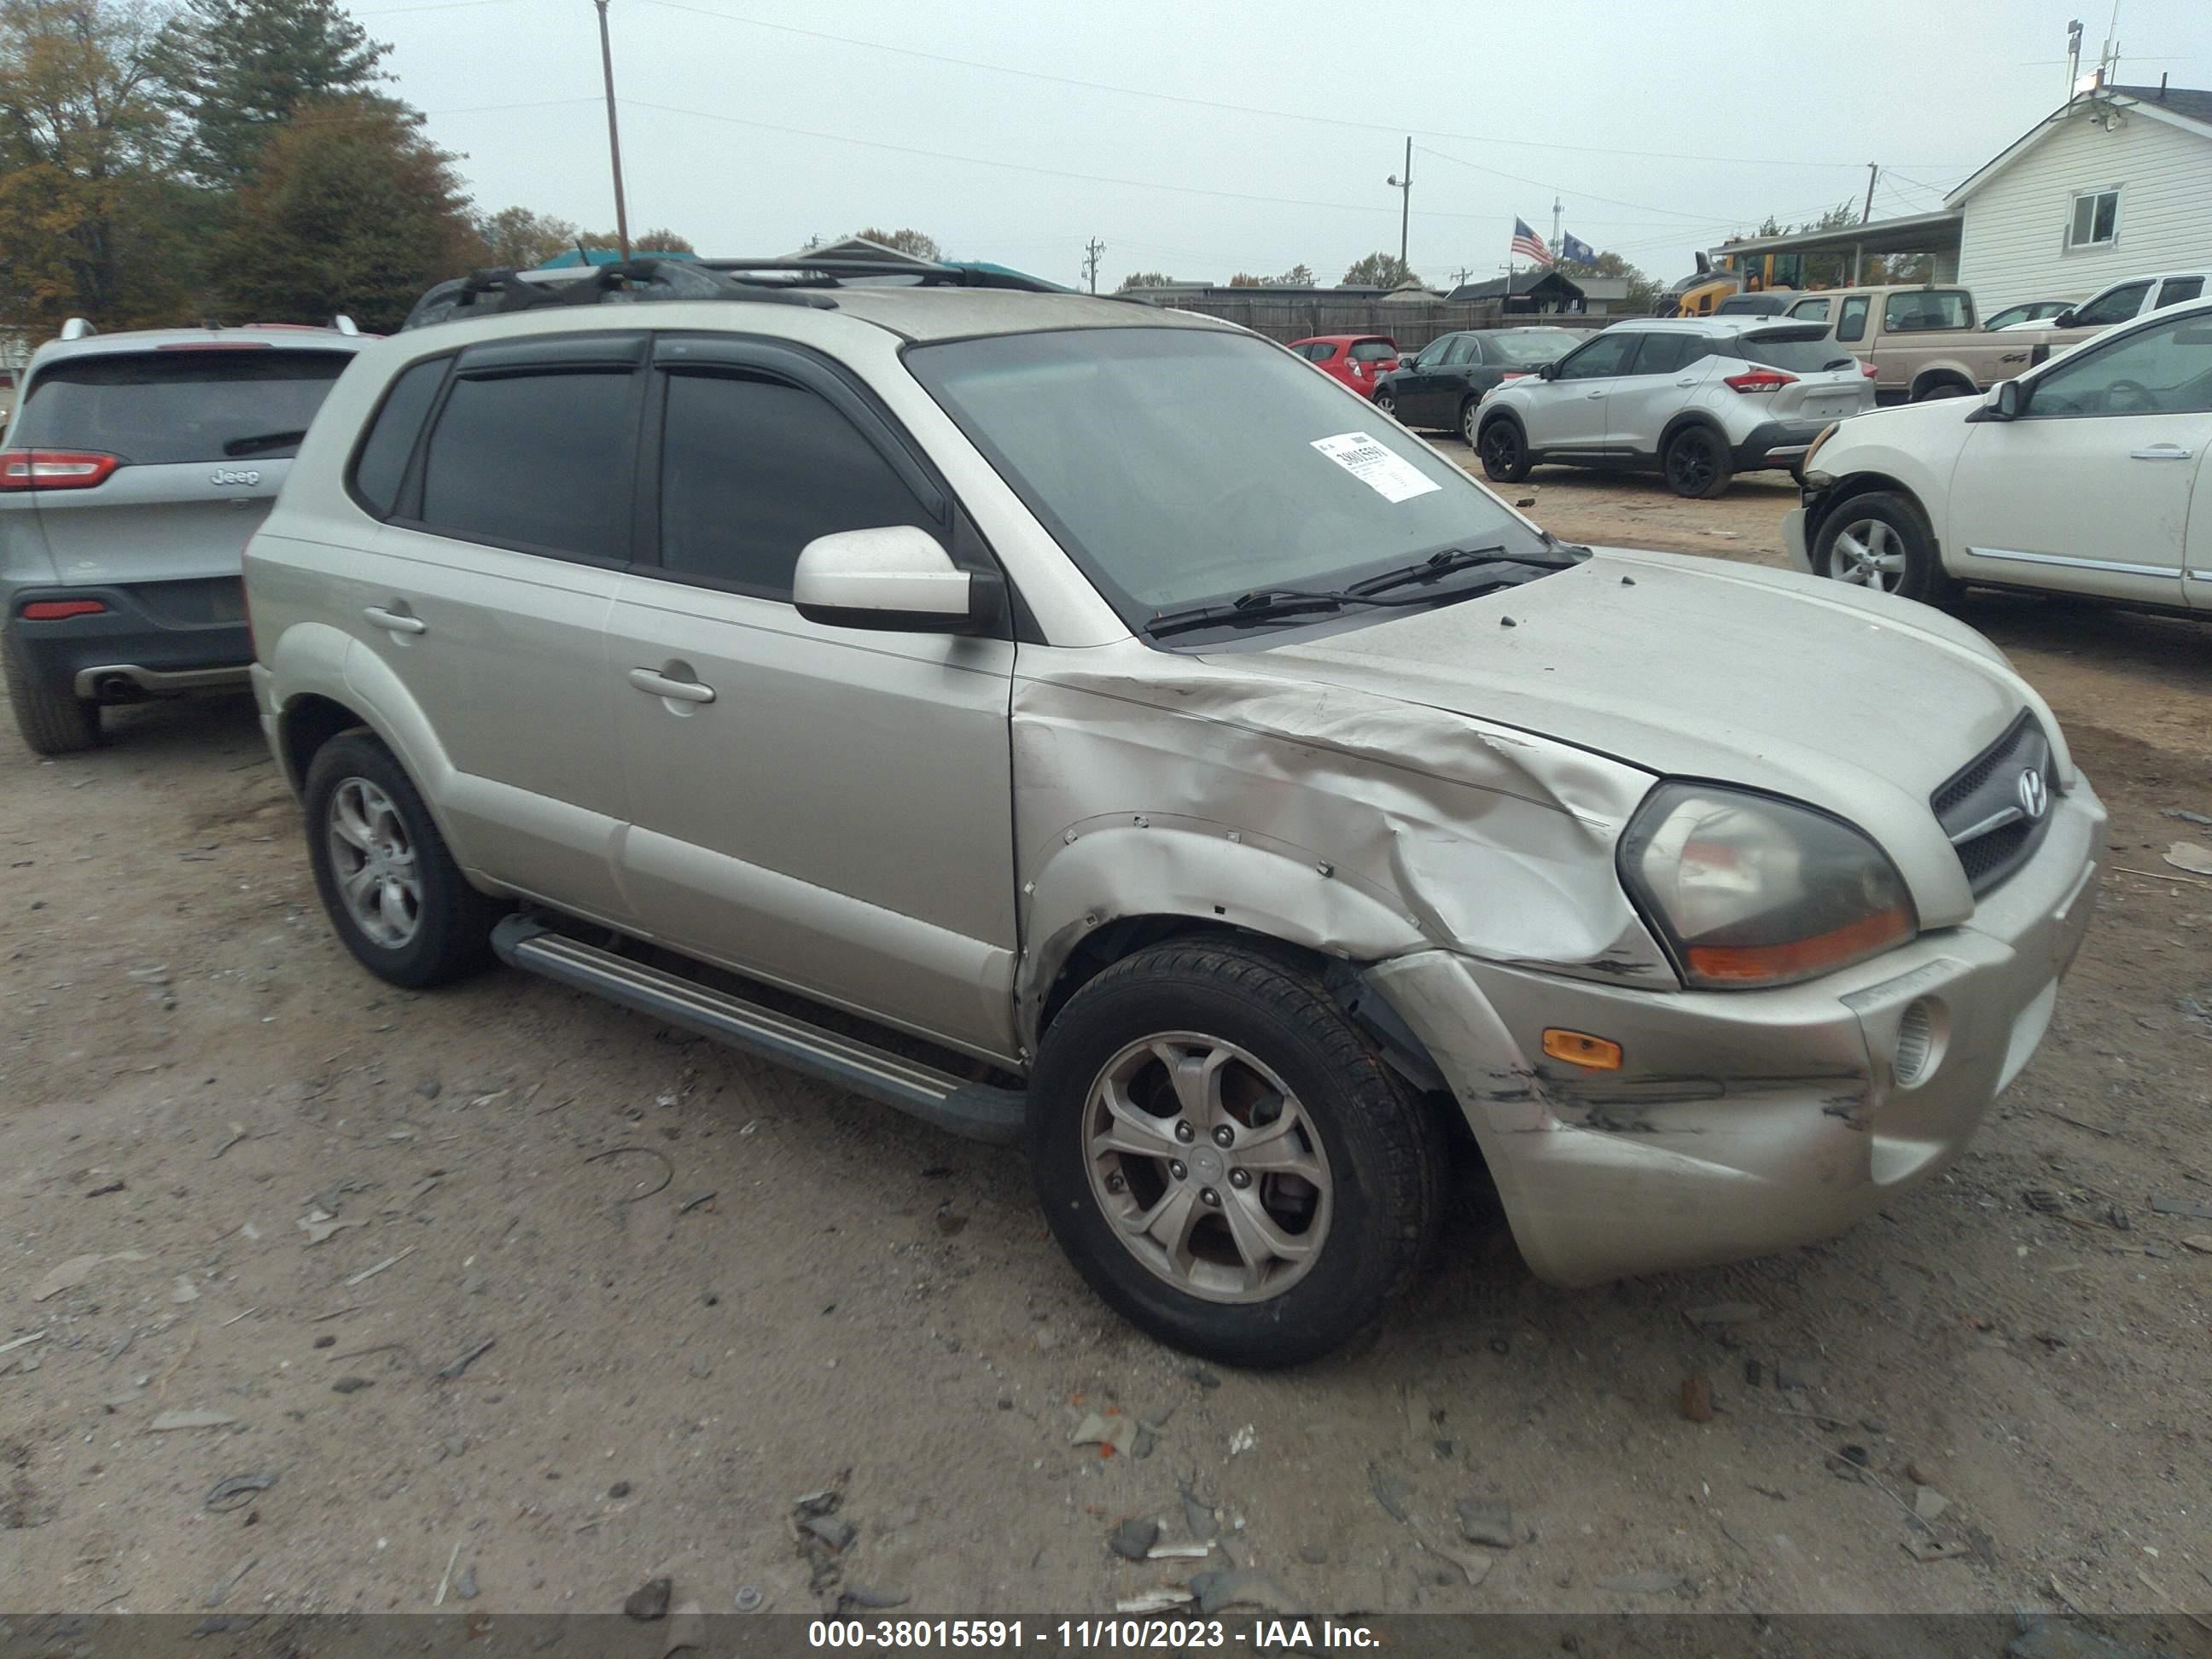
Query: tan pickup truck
[{"x": 1923, "y": 341}]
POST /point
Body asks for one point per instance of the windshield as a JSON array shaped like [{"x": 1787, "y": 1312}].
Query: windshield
[
  {"x": 171, "y": 406},
  {"x": 1800, "y": 351},
  {"x": 1533, "y": 350},
  {"x": 1180, "y": 465}
]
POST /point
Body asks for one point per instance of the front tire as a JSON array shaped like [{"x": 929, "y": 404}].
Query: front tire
[
  {"x": 1697, "y": 464},
  {"x": 392, "y": 890},
  {"x": 1879, "y": 540},
  {"x": 52, "y": 722},
  {"x": 1504, "y": 451},
  {"x": 1225, "y": 1158}
]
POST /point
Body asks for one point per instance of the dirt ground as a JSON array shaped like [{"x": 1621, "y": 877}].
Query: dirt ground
[{"x": 597, "y": 1302}]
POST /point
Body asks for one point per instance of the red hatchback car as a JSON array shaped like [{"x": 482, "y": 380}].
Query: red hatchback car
[{"x": 1358, "y": 360}]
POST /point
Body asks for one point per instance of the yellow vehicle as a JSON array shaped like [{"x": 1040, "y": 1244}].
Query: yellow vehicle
[{"x": 1720, "y": 275}]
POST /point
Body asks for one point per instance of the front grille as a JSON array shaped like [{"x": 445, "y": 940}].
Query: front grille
[{"x": 1981, "y": 809}]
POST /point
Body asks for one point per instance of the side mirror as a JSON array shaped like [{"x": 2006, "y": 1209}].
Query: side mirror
[
  {"x": 1549, "y": 372},
  {"x": 896, "y": 578},
  {"x": 2003, "y": 402},
  {"x": 2064, "y": 320}
]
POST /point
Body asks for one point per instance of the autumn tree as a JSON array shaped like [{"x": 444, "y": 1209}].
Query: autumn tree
[
  {"x": 518, "y": 237},
  {"x": 662, "y": 241},
  {"x": 352, "y": 209},
  {"x": 1642, "y": 290},
  {"x": 1244, "y": 279},
  {"x": 1384, "y": 271},
  {"x": 88, "y": 221},
  {"x": 912, "y": 243},
  {"x": 236, "y": 70},
  {"x": 1145, "y": 279}
]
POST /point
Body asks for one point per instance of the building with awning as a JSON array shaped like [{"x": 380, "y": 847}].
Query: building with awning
[{"x": 1936, "y": 234}]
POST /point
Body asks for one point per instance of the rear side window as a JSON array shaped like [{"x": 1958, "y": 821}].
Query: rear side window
[
  {"x": 1372, "y": 351},
  {"x": 1320, "y": 351},
  {"x": 751, "y": 470},
  {"x": 1850, "y": 321},
  {"x": 161, "y": 407},
  {"x": 539, "y": 461},
  {"x": 382, "y": 463},
  {"x": 1662, "y": 354},
  {"x": 1811, "y": 310},
  {"x": 2178, "y": 288},
  {"x": 1795, "y": 352},
  {"x": 1464, "y": 350},
  {"x": 1926, "y": 309}
]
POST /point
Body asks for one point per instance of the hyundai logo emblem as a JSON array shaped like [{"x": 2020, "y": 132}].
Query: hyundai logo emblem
[{"x": 2034, "y": 794}]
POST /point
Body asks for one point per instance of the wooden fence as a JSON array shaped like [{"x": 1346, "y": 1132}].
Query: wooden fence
[{"x": 1411, "y": 324}]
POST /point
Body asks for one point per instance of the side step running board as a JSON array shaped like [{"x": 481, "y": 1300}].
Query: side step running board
[{"x": 976, "y": 1111}]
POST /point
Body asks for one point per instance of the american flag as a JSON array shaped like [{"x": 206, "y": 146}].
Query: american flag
[{"x": 1528, "y": 244}]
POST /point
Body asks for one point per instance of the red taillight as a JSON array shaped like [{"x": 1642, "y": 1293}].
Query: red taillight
[
  {"x": 1759, "y": 379},
  {"x": 53, "y": 469},
  {"x": 60, "y": 610},
  {"x": 1513, "y": 375},
  {"x": 1869, "y": 370}
]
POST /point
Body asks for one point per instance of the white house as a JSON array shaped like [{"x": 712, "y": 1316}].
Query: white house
[{"x": 2116, "y": 184}]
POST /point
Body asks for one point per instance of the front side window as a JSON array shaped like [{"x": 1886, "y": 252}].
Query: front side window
[
  {"x": 2115, "y": 306},
  {"x": 2161, "y": 370},
  {"x": 1924, "y": 310},
  {"x": 2096, "y": 218},
  {"x": 1177, "y": 465},
  {"x": 238, "y": 403},
  {"x": 1606, "y": 354},
  {"x": 1850, "y": 321},
  {"x": 542, "y": 461},
  {"x": 753, "y": 469}
]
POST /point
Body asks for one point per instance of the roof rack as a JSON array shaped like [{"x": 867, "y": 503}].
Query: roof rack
[{"x": 833, "y": 270}]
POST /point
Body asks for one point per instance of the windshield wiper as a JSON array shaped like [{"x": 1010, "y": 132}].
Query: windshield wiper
[
  {"x": 263, "y": 440},
  {"x": 1260, "y": 604},
  {"x": 1444, "y": 563}
]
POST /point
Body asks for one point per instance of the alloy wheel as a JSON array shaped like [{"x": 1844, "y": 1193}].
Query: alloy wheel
[
  {"x": 1207, "y": 1166},
  {"x": 1867, "y": 553},
  {"x": 379, "y": 880}
]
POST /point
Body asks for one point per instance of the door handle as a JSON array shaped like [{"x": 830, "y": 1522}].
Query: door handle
[
  {"x": 1692, "y": 380},
  {"x": 1599, "y": 393},
  {"x": 394, "y": 622},
  {"x": 659, "y": 685},
  {"x": 2159, "y": 453}
]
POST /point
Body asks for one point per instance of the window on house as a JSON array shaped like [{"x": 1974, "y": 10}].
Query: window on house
[{"x": 2096, "y": 218}]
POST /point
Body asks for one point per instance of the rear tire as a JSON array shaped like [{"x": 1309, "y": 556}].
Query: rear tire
[
  {"x": 1935, "y": 389},
  {"x": 52, "y": 721},
  {"x": 1225, "y": 1158},
  {"x": 1504, "y": 451},
  {"x": 392, "y": 890},
  {"x": 1388, "y": 404},
  {"x": 1880, "y": 541},
  {"x": 1697, "y": 464}
]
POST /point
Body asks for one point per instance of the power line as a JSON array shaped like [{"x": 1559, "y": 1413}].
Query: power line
[{"x": 1216, "y": 104}]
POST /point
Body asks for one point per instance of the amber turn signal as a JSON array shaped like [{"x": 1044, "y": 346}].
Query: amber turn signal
[{"x": 1580, "y": 1048}]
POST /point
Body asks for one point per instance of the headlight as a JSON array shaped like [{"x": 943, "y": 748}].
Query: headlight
[{"x": 1752, "y": 891}]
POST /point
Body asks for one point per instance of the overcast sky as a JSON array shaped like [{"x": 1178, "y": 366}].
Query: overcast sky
[{"x": 751, "y": 124}]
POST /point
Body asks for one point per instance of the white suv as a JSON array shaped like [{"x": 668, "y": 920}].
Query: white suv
[
  {"x": 2087, "y": 475},
  {"x": 1698, "y": 399}
]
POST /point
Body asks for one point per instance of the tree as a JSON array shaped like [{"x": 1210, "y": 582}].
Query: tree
[
  {"x": 1642, "y": 290},
  {"x": 237, "y": 69},
  {"x": 516, "y": 236},
  {"x": 350, "y": 209},
  {"x": 662, "y": 241},
  {"x": 89, "y": 223},
  {"x": 1295, "y": 277},
  {"x": 911, "y": 243},
  {"x": 1244, "y": 279},
  {"x": 1145, "y": 279},
  {"x": 1385, "y": 270}
]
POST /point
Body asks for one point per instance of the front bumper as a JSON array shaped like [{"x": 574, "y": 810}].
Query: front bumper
[
  {"x": 153, "y": 639},
  {"x": 1794, "y": 546},
  {"x": 1746, "y": 1122}
]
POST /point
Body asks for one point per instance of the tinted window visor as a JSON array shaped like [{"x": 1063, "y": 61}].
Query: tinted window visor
[
  {"x": 1178, "y": 466},
  {"x": 155, "y": 408},
  {"x": 1799, "y": 350}
]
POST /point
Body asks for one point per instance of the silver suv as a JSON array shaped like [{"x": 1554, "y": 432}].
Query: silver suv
[
  {"x": 1696, "y": 400},
  {"x": 1083, "y": 726},
  {"x": 135, "y": 469}
]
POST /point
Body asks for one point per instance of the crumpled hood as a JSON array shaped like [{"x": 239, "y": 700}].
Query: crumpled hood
[{"x": 1855, "y": 701}]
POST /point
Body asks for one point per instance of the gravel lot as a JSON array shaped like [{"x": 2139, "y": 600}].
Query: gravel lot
[{"x": 708, "y": 1287}]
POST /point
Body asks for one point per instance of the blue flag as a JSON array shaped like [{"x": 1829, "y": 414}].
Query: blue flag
[{"x": 1573, "y": 247}]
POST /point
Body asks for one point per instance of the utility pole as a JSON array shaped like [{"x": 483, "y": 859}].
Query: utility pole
[
  {"x": 1404, "y": 187},
  {"x": 1873, "y": 172},
  {"x": 1091, "y": 250},
  {"x": 614, "y": 132}
]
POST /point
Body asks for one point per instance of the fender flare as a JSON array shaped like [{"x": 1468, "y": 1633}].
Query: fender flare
[
  {"x": 1690, "y": 417},
  {"x": 1506, "y": 415},
  {"x": 1941, "y": 373}
]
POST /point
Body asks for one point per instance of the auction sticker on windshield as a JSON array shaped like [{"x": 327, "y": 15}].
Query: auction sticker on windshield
[{"x": 1388, "y": 474}]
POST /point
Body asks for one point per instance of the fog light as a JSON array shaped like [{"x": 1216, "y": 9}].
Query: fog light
[
  {"x": 1916, "y": 1043},
  {"x": 1580, "y": 1048}
]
